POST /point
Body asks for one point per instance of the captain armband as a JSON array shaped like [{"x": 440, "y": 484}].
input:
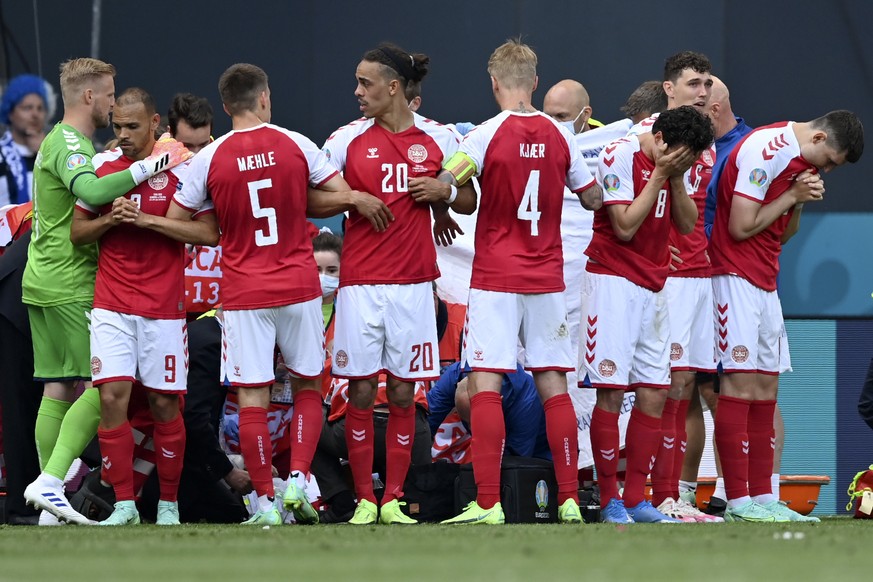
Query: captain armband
[{"x": 461, "y": 166}]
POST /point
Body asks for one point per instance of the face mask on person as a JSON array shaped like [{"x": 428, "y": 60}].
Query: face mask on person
[
  {"x": 329, "y": 284},
  {"x": 571, "y": 125}
]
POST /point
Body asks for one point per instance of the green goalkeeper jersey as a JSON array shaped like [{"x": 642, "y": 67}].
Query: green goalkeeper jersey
[{"x": 57, "y": 271}]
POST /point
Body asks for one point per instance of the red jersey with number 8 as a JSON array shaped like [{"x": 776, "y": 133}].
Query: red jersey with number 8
[
  {"x": 623, "y": 172},
  {"x": 258, "y": 179},
  {"x": 523, "y": 161}
]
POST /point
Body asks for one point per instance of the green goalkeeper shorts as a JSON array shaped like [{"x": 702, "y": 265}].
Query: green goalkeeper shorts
[{"x": 61, "y": 341}]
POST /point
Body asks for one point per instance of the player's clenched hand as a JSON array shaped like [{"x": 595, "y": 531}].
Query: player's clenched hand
[
  {"x": 124, "y": 210},
  {"x": 445, "y": 229},
  {"x": 807, "y": 187},
  {"x": 429, "y": 190},
  {"x": 675, "y": 259},
  {"x": 373, "y": 209}
]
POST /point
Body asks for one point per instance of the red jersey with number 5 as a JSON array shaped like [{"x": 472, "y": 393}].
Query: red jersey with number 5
[
  {"x": 379, "y": 162},
  {"x": 623, "y": 171},
  {"x": 258, "y": 179},
  {"x": 523, "y": 161}
]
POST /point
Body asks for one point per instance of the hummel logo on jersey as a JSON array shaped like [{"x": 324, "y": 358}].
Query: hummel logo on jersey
[
  {"x": 682, "y": 445},
  {"x": 773, "y": 442},
  {"x": 359, "y": 435},
  {"x": 745, "y": 447},
  {"x": 477, "y": 355},
  {"x": 372, "y": 153},
  {"x": 607, "y": 454},
  {"x": 652, "y": 463},
  {"x": 168, "y": 454},
  {"x": 668, "y": 442},
  {"x": 646, "y": 175},
  {"x": 403, "y": 440},
  {"x": 773, "y": 146},
  {"x": 107, "y": 464}
]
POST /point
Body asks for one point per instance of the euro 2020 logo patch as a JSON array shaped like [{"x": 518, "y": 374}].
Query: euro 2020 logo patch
[
  {"x": 611, "y": 182},
  {"x": 758, "y": 177},
  {"x": 76, "y": 160},
  {"x": 542, "y": 495}
]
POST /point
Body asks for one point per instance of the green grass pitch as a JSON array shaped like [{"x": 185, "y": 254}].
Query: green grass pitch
[{"x": 836, "y": 549}]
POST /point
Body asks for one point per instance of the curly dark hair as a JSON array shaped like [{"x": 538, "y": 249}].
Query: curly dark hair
[
  {"x": 685, "y": 126},
  {"x": 677, "y": 63},
  {"x": 846, "y": 131}
]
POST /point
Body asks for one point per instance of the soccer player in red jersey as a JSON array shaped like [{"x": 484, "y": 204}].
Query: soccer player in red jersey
[
  {"x": 523, "y": 159},
  {"x": 258, "y": 176},
  {"x": 138, "y": 319},
  {"x": 385, "y": 319},
  {"x": 626, "y": 343},
  {"x": 687, "y": 81},
  {"x": 768, "y": 177}
]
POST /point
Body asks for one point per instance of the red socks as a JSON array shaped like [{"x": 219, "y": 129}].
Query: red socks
[
  {"x": 564, "y": 444},
  {"x": 605, "y": 445},
  {"x": 305, "y": 429},
  {"x": 662, "y": 472},
  {"x": 732, "y": 440},
  {"x": 641, "y": 445},
  {"x": 489, "y": 437},
  {"x": 679, "y": 449},
  {"x": 398, "y": 449},
  {"x": 169, "y": 456},
  {"x": 116, "y": 448},
  {"x": 762, "y": 443},
  {"x": 359, "y": 440},
  {"x": 256, "y": 448}
]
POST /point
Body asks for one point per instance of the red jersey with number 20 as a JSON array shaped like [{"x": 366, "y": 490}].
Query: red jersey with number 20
[
  {"x": 761, "y": 168},
  {"x": 258, "y": 179},
  {"x": 379, "y": 162},
  {"x": 644, "y": 260},
  {"x": 523, "y": 161},
  {"x": 139, "y": 271}
]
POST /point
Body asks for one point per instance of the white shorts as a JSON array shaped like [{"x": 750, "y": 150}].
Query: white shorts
[
  {"x": 496, "y": 321},
  {"x": 249, "y": 338},
  {"x": 129, "y": 347},
  {"x": 749, "y": 327},
  {"x": 387, "y": 329},
  {"x": 625, "y": 343},
  {"x": 692, "y": 331}
]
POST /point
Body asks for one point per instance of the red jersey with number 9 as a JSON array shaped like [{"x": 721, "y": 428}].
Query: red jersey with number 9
[
  {"x": 258, "y": 179},
  {"x": 523, "y": 161}
]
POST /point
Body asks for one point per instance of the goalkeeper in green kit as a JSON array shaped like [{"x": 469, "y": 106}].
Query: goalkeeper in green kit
[{"x": 58, "y": 285}]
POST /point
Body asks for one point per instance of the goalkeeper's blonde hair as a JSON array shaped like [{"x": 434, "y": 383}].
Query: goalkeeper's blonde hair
[
  {"x": 77, "y": 73},
  {"x": 514, "y": 65}
]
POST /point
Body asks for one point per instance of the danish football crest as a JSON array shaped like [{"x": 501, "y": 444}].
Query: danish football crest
[
  {"x": 159, "y": 182},
  {"x": 606, "y": 368},
  {"x": 417, "y": 153},
  {"x": 740, "y": 354}
]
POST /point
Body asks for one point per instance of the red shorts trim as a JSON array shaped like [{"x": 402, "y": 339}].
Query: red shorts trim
[
  {"x": 258, "y": 385},
  {"x": 102, "y": 381},
  {"x": 766, "y": 373},
  {"x": 159, "y": 391},
  {"x": 551, "y": 369},
  {"x": 297, "y": 374},
  {"x": 335, "y": 374},
  {"x": 621, "y": 387},
  {"x": 413, "y": 380},
  {"x": 493, "y": 370},
  {"x": 646, "y": 385}
]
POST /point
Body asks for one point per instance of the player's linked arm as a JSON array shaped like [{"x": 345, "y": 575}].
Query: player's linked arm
[
  {"x": 179, "y": 225},
  {"x": 335, "y": 196},
  {"x": 683, "y": 210},
  {"x": 87, "y": 227}
]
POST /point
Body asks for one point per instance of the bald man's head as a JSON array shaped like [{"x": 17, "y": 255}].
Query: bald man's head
[
  {"x": 568, "y": 102},
  {"x": 719, "y": 108}
]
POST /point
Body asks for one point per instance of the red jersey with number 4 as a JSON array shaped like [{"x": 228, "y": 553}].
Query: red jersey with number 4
[
  {"x": 379, "y": 162},
  {"x": 258, "y": 179},
  {"x": 760, "y": 168},
  {"x": 623, "y": 172},
  {"x": 139, "y": 271},
  {"x": 523, "y": 161}
]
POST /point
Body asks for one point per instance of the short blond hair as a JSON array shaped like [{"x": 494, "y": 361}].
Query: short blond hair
[
  {"x": 77, "y": 73},
  {"x": 514, "y": 64}
]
